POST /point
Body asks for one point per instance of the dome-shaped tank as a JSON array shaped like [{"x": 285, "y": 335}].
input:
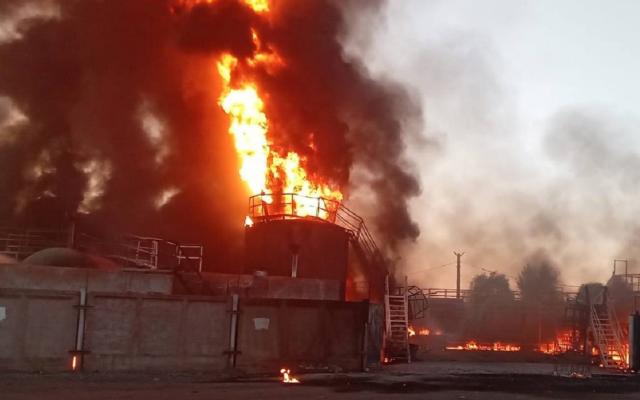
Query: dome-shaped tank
[
  {"x": 65, "y": 257},
  {"x": 5, "y": 259}
]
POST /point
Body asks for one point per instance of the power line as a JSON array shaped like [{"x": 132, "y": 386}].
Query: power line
[{"x": 431, "y": 268}]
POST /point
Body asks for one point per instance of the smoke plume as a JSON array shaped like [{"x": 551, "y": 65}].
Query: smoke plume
[
  {"x": 121, "y": 122},
  {"x": 498, "y": 188}
]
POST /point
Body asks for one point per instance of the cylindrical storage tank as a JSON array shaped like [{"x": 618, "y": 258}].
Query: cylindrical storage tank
[
  {"x": 634, "y": 342},
  {"x": 302, "y": 248}
]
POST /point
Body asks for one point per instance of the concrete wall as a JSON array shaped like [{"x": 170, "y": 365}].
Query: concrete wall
[
  {"x": 22, "y": 276},
  {"x": 37, "y": 329},
  {"x": 129, "y": 331},
  {"x": 142, "y": 332},
  {"x": 274, "y": 287},
  {"x": 375, "y": 334},
  {"x": 278, "y": 333}
]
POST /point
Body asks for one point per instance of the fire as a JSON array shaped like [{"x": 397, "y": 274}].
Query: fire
[
  {"x": 264, "y": 169},
  {"x": 286, "y": 376},
  {"x": 249, "y": 130},
  {"x": 419, "y": 332},
  {"x": 562, "y": 344},
  {"x": 259, "y": 6},
  {"x": 74, "y": 363},
  {"x": 475, "y": 346},
  {"x": 248, "y": 222}
]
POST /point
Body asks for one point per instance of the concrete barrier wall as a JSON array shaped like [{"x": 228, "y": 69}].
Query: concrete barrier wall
[
  {"x": 37, "y": 329},
  {"x": 125, "y": 332},
  {"x": 273, "y": 287},
  {"x": 22, "y": 276},
  {"x": 288, "y": 333}
]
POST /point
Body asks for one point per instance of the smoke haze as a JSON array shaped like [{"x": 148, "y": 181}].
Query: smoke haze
[{"x": 498, "y": 182}]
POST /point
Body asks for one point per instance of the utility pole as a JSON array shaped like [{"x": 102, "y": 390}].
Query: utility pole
[{"x": 458, "y": 256}]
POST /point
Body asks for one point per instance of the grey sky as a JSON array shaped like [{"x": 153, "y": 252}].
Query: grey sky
[{"x": 534, "y": 109}]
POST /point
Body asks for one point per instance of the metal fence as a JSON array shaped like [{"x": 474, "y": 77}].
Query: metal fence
[
  {"x": 20, "y": 243},
  {"x": 132, "y": 250}
]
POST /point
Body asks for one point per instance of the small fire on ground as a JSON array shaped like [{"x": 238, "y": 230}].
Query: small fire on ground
[
  {"x": 475, "y": 346},
  {"x": 420, "y": 332},
  {"x": 562, "y": 344},
  {"x": 286, "y": 376}
]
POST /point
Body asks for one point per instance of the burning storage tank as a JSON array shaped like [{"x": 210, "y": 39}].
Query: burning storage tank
[
  {"x": 297, "y": 226},
  {"x": 305, "y": 237}
]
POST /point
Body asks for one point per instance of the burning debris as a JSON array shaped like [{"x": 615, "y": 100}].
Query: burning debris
[
  {"x": 419, "y": 332},
  {"x": 287, "y": 377}
]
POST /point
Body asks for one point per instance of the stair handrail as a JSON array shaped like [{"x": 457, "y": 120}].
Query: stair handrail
[
  {"x": 269, "y": 206},
  {"x": 617, "y": 331}
]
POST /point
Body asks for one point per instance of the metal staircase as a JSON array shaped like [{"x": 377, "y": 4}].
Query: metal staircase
[
  {"x": 607, "y": 335},
  {"x": 397, "y": 324}
]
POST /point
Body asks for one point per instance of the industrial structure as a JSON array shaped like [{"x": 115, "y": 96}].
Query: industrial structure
[
  {"x": 314, "y": 290},
  {"x": 312, "y": 293},
  {"x": 596, "y": 327}
]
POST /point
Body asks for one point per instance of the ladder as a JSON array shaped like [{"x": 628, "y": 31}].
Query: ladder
[
  {"x": 397, "y": 324},
  {"x": 608, "y": 335}
]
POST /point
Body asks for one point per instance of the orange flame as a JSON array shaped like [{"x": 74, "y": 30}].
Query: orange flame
[
  {"x": 420, "y": 332},
  {"x": 496, "y": 346},
  {"x": 562, "y": 343},
  {"x": 286, "y": 376},
  {"x": 262, "y": 168},
  {"x": 258, "y": 6}
]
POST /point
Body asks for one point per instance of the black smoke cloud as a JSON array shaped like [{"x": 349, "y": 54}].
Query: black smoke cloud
[{"x": 82, "y": 78}]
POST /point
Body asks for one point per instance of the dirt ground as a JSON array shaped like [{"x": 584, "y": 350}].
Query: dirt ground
[{"x": 432, "y": 380}]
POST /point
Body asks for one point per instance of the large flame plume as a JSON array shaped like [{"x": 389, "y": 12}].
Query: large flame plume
[
  {"x": 263, "y": 169},
  {"x": 131, "y": 137}
]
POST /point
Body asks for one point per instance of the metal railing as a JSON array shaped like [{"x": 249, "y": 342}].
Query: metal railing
[
  {"x": 445, "y": 293},
  {"x": 439, "y": 293},
  {"x": 267, "y": 207},
  {"x": 145, "y": 252},
  {"x": 21, "y": 243},
  {"x": 633, "y": 280},
  {"x": 138, "y": 251}
]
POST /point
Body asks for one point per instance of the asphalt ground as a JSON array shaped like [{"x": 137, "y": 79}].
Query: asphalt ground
[{"x": 420, "y": 380}]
